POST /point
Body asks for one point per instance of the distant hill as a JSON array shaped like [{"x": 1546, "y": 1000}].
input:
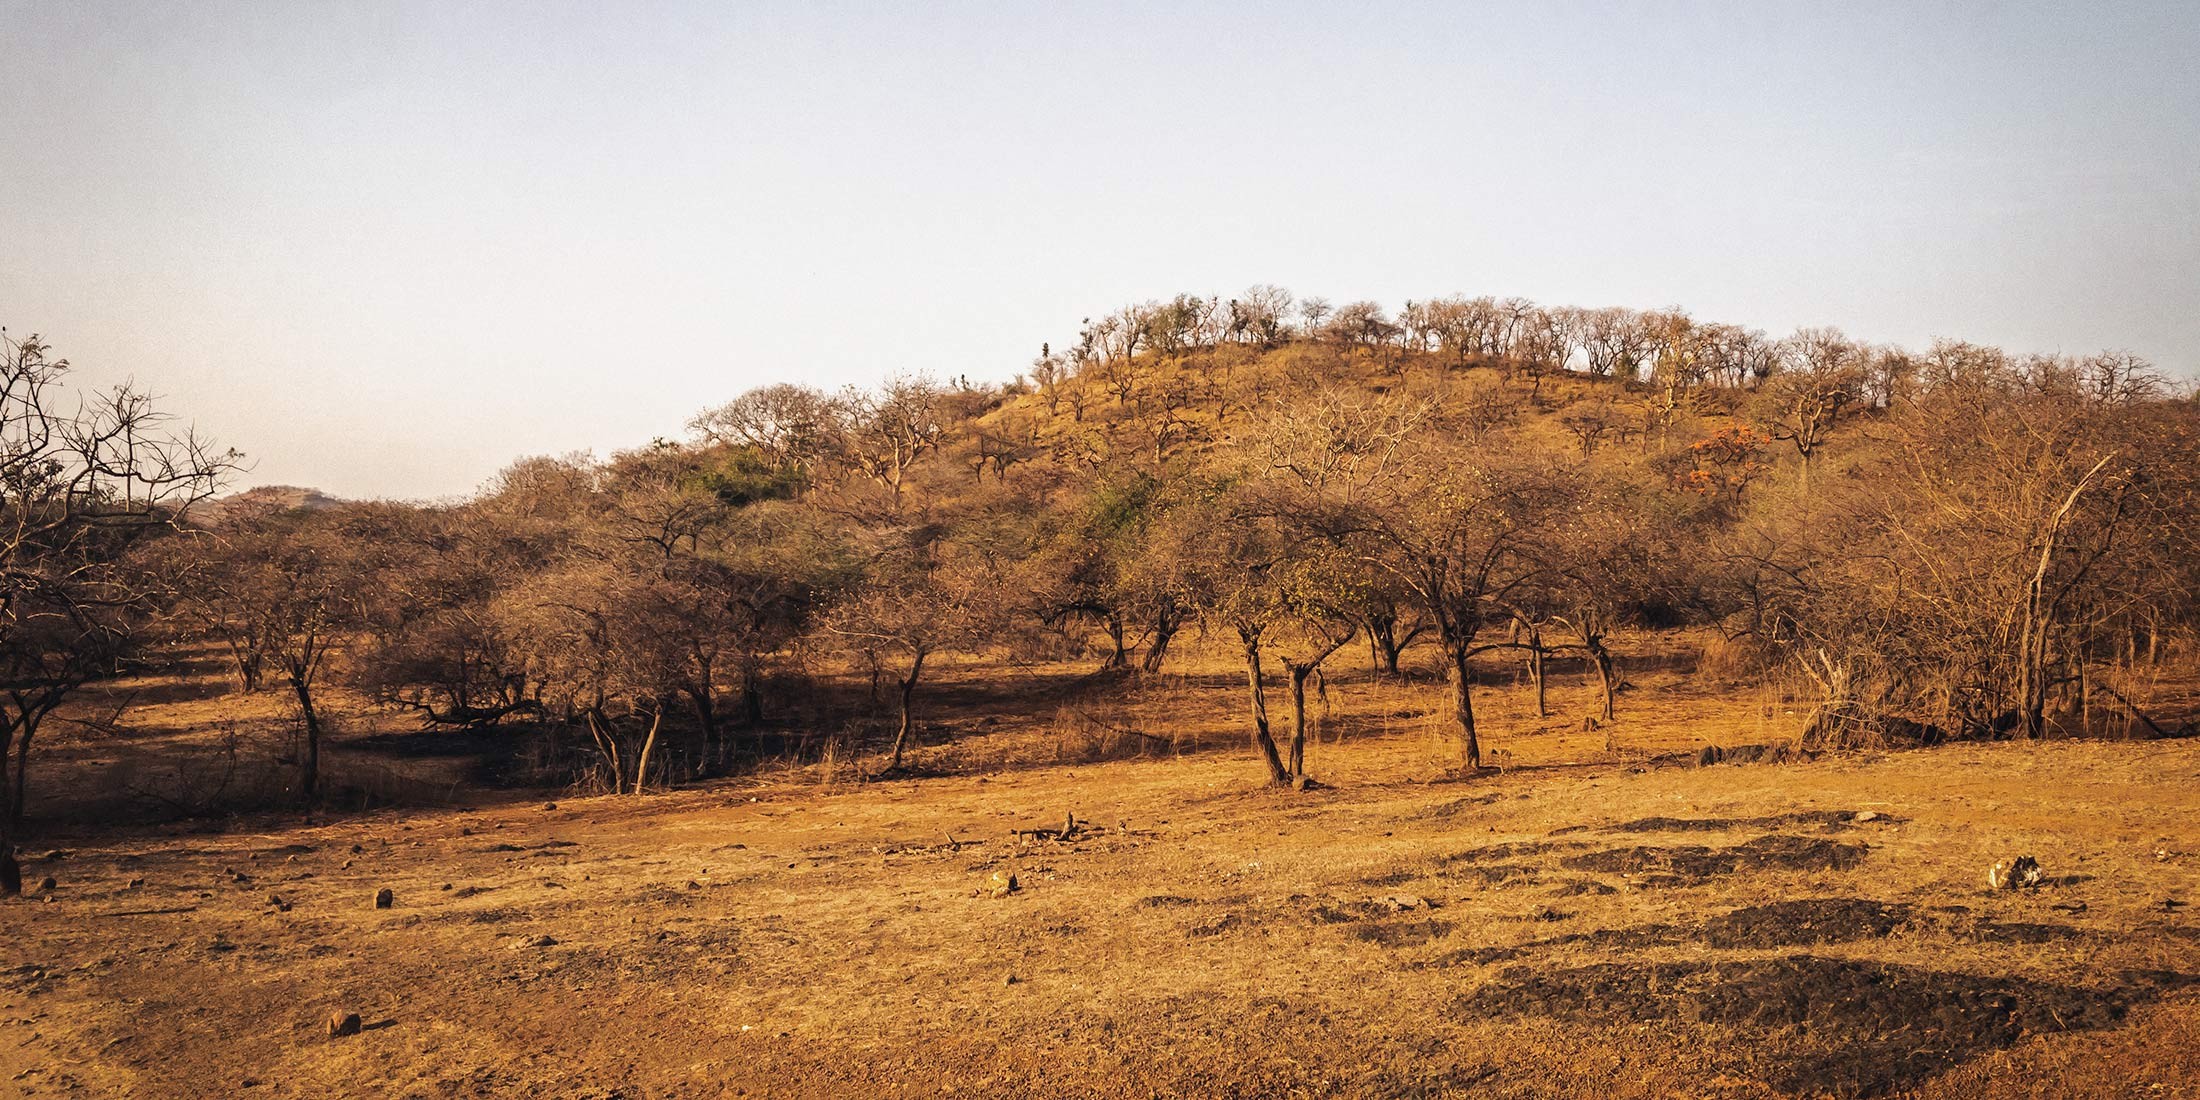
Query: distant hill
[{"x": 279, "y": 498}]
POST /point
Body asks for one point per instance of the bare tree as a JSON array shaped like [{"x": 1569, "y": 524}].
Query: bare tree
[
  {"x": 82, "y": 480},
  {"x": 1821, "y": 376},
  {"x": 915, "y": 601},
  {"x": 889, "y": 432}
]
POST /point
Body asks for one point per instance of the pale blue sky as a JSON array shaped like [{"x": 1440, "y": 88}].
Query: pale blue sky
[{"x": 384, "y": 249}]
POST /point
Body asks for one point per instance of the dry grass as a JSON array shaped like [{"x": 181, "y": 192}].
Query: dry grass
[{"x": 803, "y": 934}]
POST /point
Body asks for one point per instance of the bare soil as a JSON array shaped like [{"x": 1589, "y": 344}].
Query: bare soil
[
  {"x": 1583, "y": 922},
  {"x": 1197, "y": 935}
]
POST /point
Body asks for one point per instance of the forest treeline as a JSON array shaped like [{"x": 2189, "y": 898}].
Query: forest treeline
[{"x": 1956, "y": 541}]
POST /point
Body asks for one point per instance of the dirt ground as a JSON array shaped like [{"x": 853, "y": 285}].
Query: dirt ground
[
  {"x": 1592, "y": 921},
  {"x": 1602, "y": 930}
]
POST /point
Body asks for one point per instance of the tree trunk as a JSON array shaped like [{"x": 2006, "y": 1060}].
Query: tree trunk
[
  {"x": 1602, "y": 657},
  {"x": 2036, "y": 619},
  {"x": 1299, "y": 672},
  {"x": 908, "y": 693},
  {"x": 649, "y": 744},
  {"x": 1535, "y": 674},
  {"x": 11, "y": 872},
  {"x": 752, "y": 696},
  {"x": 1462, "y": 701},
  {"x": 1120, "y": 656},
  {"x": 607, "y": 743},
  {"x": 1164, "y": 630},
  {"x": 309, "y": 781},
  {"x": 706, "y": 716},
  {"x": 1382, "y": 633},
  {"x": 1262, "y": 738},
  {"x": 26, "y": 725}
]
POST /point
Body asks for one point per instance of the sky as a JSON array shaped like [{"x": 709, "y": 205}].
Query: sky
[{"x": 384, "y": 249}]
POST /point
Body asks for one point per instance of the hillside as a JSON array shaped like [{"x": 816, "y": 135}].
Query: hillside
[{"x": 264, "y": 498}]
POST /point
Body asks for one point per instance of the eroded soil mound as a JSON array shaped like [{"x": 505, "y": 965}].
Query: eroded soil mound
[
  {"x": 1831, "y": 819},
  {"x": 1698, "y": 863},
  {"x": 1814, "y": 1025},
  {"x": 1806, "y": 922}
]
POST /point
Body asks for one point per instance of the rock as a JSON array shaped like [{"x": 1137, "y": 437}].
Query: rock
[
  {"x": 446, "y": 886},
  {"x": 2009, "y": 874},
  {"x": 1868, "y": 815},
  {"x": 341, "y": 1024},
  {"x": 358, "y": 849},
  {"x": 1002, "y": 884},
  {"x": 277, "y": 901},
  {"x": 549, "y": 805},
  {"x": 694, "y": 885},
  {"x": 541, "y": 941},
  {"x": 1404, "y": 902},
  {"x": 384, "y": 898},
  {"x": 47, "y": 884},
  {"x": 1012, "y": 980},
  {"x": 135, "y": 884}
]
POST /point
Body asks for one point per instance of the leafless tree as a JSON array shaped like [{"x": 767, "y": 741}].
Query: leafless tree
[{"x": 83, "y": 478}]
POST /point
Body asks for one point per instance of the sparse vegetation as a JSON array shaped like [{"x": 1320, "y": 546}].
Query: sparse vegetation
[{"x": 1472, "y": 542}]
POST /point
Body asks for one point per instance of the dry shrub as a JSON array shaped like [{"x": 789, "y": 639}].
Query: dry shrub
[
  {"x": 1082, "y": 737},
  {"x": 348, "y": 782},
  {"x": 238, "y": 772},
  {"x": 840, "y": 757},
  {"x": 552, "y": 760},
  {"x": 1740, "y": 658}
]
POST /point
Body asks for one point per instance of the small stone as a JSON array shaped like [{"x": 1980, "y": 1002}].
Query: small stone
[
  {"x": 1002, "y": 884},
  {"x": 358, "y": 849},
  {"x": 541, "y": 941},
  {"x": 549, "y": 805},
  {"x": 694, "y": 885},
  {"x": 1868, "y": 815},
  {"x": 136, "y": 883},
  {"x": 2010, "y": 874},
  {"x": 344, "y": 866},
  {"x": 277, "y": 901},
  {"x": 1012, "y": 980},
  {"x": 341, "y": 1024},
  {"x": 384, "y": 898},
  {"x": 47, "y": 884}
]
